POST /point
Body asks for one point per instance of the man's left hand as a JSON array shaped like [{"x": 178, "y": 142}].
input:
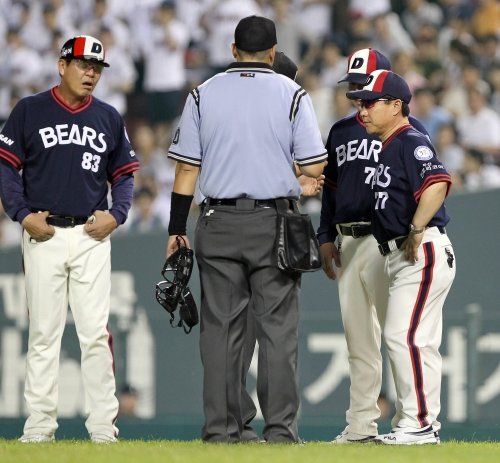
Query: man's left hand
[
  {"x": 100, "y": 225},
  {"x": 311, "y": 186}
]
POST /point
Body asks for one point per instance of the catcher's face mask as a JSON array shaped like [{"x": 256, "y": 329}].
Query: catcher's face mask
[{"x": 174, "y": 290}]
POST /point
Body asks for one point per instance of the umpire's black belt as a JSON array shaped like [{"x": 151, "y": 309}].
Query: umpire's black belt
[
  {"x": 64, "y": 221},
  {"x": 241, "y": 203},
  {"x": 356, "y": 230},
  {"x": 392, "y": 245}
]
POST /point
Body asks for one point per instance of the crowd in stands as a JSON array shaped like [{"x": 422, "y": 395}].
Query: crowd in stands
[{"x": 447, "y": 50}]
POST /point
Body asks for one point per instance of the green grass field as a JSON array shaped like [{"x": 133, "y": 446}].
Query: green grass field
[{"x": 164, "y": 451}]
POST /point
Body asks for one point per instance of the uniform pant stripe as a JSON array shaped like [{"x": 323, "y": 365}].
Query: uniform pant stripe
[{"x": 425, "y": 284}]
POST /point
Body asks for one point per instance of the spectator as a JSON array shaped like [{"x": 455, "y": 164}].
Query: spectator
[
  {"x": 219, "y": 21},
  {"x": 403, "y": 63},
  {"x": 425, "y": 109},
  {"x": 164, "y": 69},
  {"x": 486, "y": 19},
  {"x": 494, "y": 81},
  {"x": 317, "y": 12},
  {"x": 389, "y": 35},
  {"x": 333, "y": 64},
  {"x": 479, "y": 175},
  {"x": 103, "y": 17},
  {"x": 288, "y": 30},
  {"x": 20, "y": 70},
  {"x": 450, "y": 152},
  {"x": 157, "y": 171},
  {"x": 480, "y": 128},
  {"x": 144, "y": 218},
  {"x": 419, "y": 13},
  {"x": 114, "y": 86}
]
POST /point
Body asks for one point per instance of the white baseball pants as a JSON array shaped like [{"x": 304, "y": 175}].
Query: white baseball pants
[
  {"x": 413, "y": 327},
  {"x": 363, "y": 291},
  {"x": 69, "y": 268}
]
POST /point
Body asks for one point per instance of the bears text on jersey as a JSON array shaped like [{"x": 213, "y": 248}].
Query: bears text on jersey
[
  {"x": 62, "y": 134},
  {"x": 358, "y": 149}
]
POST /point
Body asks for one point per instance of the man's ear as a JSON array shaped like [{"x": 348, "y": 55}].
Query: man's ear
[
  {"x": 272, "y": 54},
  {"x": 234, "y": 51},
  {"x": 398, "y": 107}
]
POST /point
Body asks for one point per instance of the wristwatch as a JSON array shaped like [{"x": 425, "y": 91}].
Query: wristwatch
[{"x": 416, "y": 231}]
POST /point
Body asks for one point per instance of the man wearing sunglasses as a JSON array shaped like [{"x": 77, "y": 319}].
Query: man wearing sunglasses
[
  {"x": 69, "y": 146},
  {"x": 346, "y": 239},
  {"x": 409, "y": 186}
]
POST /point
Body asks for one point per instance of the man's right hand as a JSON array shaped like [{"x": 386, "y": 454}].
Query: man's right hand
[
  {"x": 329, "y": 255},
  {"x": 37, "y": 227},
  {"x": 172, "y": 244}
]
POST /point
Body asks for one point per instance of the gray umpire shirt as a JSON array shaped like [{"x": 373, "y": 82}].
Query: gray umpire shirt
[{"x": 244, "y": 128}]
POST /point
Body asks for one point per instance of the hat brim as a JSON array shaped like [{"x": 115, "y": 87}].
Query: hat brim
[
  {"x": 106, "y": 65},
  {"x": 355, "y": 78},
  {"x": 363, "y": 95},
  {"x": 368, "y": 95},
  {"x": 103, "y": 63}
]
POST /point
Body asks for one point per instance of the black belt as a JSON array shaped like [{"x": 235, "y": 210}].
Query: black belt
[
  {"x": 356, "y": 230},
  {"x": 244, "y": 203},
  {"x": 392, "y": 245},
  {"x": 64, "y": 221}
]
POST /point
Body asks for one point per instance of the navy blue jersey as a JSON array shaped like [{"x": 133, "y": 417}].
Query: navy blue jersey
[
  {"x": 67, "y": 156},
  {"x": 353, "y": 156},
  {"x": 408, "y": 165}
]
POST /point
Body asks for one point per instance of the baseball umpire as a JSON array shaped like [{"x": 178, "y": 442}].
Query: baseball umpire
[
  {"x": 353, "y": 156},
  {"x": 69, "y": 145},
  {"x": 410, "y": 185},
  {"x": 245, "y": 127}
]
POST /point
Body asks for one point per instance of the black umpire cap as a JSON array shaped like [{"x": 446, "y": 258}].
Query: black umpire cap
[
  {"x": 255, "y": 33},
  {"x": 284, "y": 65}
]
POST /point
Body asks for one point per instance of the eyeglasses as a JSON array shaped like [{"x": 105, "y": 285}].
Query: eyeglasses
[
  {"x": 85, "y": 65},
  {"x": 371, "y": 103}
]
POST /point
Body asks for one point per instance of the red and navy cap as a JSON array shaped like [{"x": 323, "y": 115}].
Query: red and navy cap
[
  {"x": 362, "y": 63},
  {"x": 84, "y": 47},
  {"x": 383, "y": 83}
]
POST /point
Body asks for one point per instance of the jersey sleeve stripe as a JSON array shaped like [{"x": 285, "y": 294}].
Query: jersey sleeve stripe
[
  {"x": 295, "y": 103},
  {"x": 431, "y": 180},
  {"x": 312, "y": 160},
  {"x": 127, "y": 169},
  {"x": 184, "y": 159},
  {"x": 11, "y": 158},
  {"x": 195, "y": 93}
]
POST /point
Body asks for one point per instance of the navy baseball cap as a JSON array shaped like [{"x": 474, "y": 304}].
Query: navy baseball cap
[
  {"x": 362, "y": 63},
  {"x": 284, "y": 65},
  {"x": 84, "y": 47},
  {"x": 382, "y": 83},
  {"x": 255, "y": 33}
]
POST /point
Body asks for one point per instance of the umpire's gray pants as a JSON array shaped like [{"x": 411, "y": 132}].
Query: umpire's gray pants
[{"x": 235, "y": 254}]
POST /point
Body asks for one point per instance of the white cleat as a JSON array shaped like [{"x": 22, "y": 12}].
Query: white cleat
[
  {"x": 36, "y": 438},
  {"x": 405, "y": 435},
  {"x": 102, "y": 438},
  {"x": 348, "y": 437}
]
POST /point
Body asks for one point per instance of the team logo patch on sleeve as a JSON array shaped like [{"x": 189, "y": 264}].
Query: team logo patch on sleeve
[{"x": 423, "y": 153}]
